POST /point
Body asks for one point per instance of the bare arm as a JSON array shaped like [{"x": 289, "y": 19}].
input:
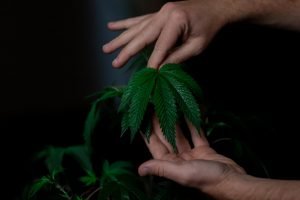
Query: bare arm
[
  {"x": 280, "y": 13},
  {"x": 246, "y": 187}
]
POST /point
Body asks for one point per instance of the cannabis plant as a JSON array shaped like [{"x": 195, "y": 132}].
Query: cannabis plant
[{"x": 170, "y": 94}]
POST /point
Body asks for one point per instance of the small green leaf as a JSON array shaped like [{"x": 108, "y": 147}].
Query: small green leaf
[
  {"x": 89, "y": 179},
  {"x": 78, "y": 198},
  {"x": 124, "y": 123},
  {"x": 90, "y": 123},
  {"x": 135, "y": 82},
  {"x": 53, "y": 159},
  {"x": 112, "y": 171},
  {"x": 165, "y": 108},
  {"x": 175, "y": 71},
  {"x": 139, "y": 103},
  {"x": 107, "y": 190},
  {"x": 81, "y": 155},
  {"x": 186, "y": 101},
  {"x": 94, "y": 113},
  {"x": 121, "y": 164},
  {"x": 38, "y": 185}
]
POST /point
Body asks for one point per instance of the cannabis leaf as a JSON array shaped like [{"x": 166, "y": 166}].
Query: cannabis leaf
[
  {"x": 37, "y": 186},
  {"x": 81, "y": 155},
  {"x": 54, "y": 158},
  {"x": 170, "y": 90},
  {"x": 89, "y": 179},
  {"x": 118, "y": 182},
  {"x": 94, "y": 113}
]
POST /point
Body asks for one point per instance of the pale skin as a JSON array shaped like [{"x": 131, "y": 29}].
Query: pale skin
[
  {"x": 180, "y": 30},
  {"x": 201, "y": 167},
  {"x": 192, "y": 24}
]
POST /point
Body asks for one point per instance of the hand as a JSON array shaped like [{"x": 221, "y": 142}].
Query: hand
[
  {"x": 199, "y": 167},
  {"x": 191, "y": 24}
]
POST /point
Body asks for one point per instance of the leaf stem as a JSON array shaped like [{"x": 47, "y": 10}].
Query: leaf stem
[
  {"x": 63, "y": 191},
  {"x": 92, "y": 194}
]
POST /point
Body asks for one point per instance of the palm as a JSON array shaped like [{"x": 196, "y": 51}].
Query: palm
[{"x": 192, "y": 167}]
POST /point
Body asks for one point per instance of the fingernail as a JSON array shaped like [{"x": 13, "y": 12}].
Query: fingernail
[
  {"x": 115, "y": 62},
  {"x": 104, "y": 47},
  {"x": 145, "y": 171},
  {"x": 110, "y": 24}
]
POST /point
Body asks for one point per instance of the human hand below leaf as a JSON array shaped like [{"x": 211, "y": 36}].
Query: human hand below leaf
[{"x": 198, "y": 166}]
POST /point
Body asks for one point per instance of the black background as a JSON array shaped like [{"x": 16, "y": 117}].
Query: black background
[{"x": 45, "y": 75}]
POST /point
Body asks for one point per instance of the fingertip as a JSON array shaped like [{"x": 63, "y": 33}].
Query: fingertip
[
  {"x": 143, "y": 171},
  {"x": 110, "y": 25},
  {"x": 105, "y": 48},
  {"x": 116, "y": 63},
  {"x": 152, "y": 65}
]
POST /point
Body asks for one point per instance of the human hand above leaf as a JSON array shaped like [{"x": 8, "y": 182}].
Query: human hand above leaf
[{"x": 191, "y": 24}]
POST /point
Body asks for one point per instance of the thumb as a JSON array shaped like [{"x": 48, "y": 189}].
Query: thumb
[{"x": 162, "y": 168}]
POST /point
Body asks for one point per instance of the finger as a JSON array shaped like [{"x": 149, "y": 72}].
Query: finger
[
  {"x": 122, "y": 39},
  {"x": 160, "y": 168},
  {"x": 187, "y": 50},
  {"x": 181, "y": 141},
  {"x": 127, "y": 23},
  {"x": 167, "y": 39},
  {"x": 144, "y": 37},
  {"x": 158, "y": 132},
  {"x": 156, "y": 147},
  {"x": 198, "y": 139},
  {"x": 177, "y": 172}
]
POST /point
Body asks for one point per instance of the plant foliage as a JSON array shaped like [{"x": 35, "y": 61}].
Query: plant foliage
[{"x": 170, "y": 90}]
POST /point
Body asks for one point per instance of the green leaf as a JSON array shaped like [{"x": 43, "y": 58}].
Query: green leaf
[
  {"x": 78, "y": 198},
  {"x": 38, "y": 185},
  {"x": 138, "y": 79},
  {"x": 108, "y": 92},
  {"x": 111, "y": 92},
  {"x": 186, "y": 101},
  {"x": 175, "y": 71},
  {"x": 124, "y": 123},
  {"x": 107, "y": 190},
  {"x": 53, "y": 159},
  {"x": 94, "y": 113},
  {"x": 90, "y": 123},
  {"x": 148, "y": 131},
  {"x": 215, "y": 126},
  {"x": 165, "y": 108},
  {"x": 139, "y": 103},
  {"x": 112, "y": 171},
  {"x": 89, "y": 179},
  {"x": 131, "y": 185},
  {"x": 117, "y": 182},
  {"x": 120, "y": 164},
  {"x": 81, "y": 155}
]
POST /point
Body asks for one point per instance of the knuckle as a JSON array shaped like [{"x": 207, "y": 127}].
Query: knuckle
[
  {"x": 160, "y": 171},
  {"x": 168, "y": 7},
  {"x": 178, "y": 15}
]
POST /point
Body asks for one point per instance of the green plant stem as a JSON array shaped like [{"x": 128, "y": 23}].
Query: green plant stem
[
  {"x": 63, "y": 191},
  {"x": 92, "y": 194}
]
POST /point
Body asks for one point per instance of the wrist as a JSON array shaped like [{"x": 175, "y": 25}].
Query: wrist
[
  {"x": 265, "y": 12},
  {"x": 240, "y": 10},
  {"x": 232, "y": 186}
]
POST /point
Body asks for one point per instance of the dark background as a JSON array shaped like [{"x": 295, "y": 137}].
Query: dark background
[{"x": 47, "y": 70}]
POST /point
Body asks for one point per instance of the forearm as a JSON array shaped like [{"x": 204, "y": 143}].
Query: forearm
[
  {"x": 278, "y": 13},
  {"x": 247, "y": 187}
]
